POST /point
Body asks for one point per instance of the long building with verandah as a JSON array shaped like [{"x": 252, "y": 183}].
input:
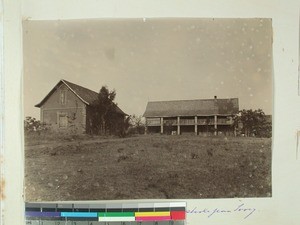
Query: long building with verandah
[{"x": 201, "y": 116}]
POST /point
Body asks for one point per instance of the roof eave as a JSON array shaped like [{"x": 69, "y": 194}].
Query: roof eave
[
  {"x": 52, "y": 90},
  {"x": 121, "y": 112},
  {"x": 47, "y": 96}
]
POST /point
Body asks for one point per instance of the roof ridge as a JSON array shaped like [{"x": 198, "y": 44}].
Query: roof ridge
[
  {"x": 63, "y": 80},
  {"x": 206, "y": 99}
]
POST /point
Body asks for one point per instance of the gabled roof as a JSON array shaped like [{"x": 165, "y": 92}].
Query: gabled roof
[
  {"x": 87, "y": 96},
  {"x": 199, "y": 107}
]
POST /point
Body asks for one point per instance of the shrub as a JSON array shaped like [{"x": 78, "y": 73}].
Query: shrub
[
  {"x": 137, "y": 124},
  {"x": 33, "y": 125}
]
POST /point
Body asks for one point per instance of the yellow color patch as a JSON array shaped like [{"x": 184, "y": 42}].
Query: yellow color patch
[{"x": 139, "y": 214}]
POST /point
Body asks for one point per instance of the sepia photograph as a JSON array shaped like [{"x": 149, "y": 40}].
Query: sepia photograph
[{"x": 147, "y": 108}]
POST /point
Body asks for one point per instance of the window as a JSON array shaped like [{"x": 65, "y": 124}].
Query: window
[
  {"x": 62, "y": 120},
  {"x": 63, "y": 98}
]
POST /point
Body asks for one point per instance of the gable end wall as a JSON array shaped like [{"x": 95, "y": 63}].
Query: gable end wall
[{"x": 73, "y": 107}]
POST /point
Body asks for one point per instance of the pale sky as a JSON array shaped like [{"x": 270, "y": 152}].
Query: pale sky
[{"x": 152, "y": 59}]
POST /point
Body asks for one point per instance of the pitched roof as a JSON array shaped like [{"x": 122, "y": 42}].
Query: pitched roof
[
  {"x": 199, "y": 107},
  {"x": 87, "y": 96}
]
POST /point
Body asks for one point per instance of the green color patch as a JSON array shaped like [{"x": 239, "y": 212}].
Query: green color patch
[{"x": 116, "y": 214}]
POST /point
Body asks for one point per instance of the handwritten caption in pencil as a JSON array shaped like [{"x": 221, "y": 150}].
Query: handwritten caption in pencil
[{"x": 241, "y": 208}]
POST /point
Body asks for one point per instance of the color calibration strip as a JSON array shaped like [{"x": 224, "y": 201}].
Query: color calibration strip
[{"x": 174, "y": 211}]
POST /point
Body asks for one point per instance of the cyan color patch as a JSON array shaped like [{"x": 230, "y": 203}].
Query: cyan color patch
[{"x": 79, "y": 214}]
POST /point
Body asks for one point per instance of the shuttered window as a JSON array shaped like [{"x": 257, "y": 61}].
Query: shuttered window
[
  {"x": 62, "y": 120},
  {"x": 62, "y": 97}
]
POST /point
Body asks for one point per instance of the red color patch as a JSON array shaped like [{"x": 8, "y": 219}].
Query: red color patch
[{"x": 178, "y": 215}]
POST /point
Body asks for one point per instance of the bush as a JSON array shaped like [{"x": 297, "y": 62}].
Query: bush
[
  {"x": 33, "y": 125},
  {"x": 137, "y": 125},
  {"x": 136, "y": 130}
]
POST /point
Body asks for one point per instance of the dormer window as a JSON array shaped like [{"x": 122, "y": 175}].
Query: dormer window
[{"x": 63, "y": 97}]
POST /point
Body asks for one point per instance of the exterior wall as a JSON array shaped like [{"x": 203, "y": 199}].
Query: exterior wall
[
  {"x": 64, "y": 111},
  {"x": 184, "y": 129}
]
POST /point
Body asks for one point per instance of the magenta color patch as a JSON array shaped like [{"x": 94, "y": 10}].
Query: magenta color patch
[{"x": 152, "y": 218}]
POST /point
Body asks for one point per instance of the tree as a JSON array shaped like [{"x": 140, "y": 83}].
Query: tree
[
  {"x": 122, "y": 127},
  {"x": 105, "y": 118},
  {"x": 101, "y": 112},
  {"x": 137, "y": 124},
  {"x": 254, "y": 122}
]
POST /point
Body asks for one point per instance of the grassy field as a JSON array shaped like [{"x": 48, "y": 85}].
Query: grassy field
[{"x": 147, "y": 167}]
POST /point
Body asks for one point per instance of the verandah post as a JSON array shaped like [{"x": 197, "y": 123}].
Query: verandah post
[
  {"x": 215, "y": 125},
  {"x": 196, "y": 125},
  {"x": 161, "y": 125},
  {"x": 146, "y": 126},
  {"x": 178, "y": 125}
]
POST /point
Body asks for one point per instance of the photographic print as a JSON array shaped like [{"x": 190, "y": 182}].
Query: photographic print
[{"x": 173, "y": 108}]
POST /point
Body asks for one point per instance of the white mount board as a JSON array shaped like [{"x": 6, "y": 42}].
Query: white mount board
[{"x": 282, "y": 208}]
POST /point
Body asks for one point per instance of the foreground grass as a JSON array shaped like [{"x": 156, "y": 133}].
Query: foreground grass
[{"x": 148, "y": 167}]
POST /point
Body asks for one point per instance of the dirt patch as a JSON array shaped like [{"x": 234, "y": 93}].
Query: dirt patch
[{"x": 148, "y": 167}]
